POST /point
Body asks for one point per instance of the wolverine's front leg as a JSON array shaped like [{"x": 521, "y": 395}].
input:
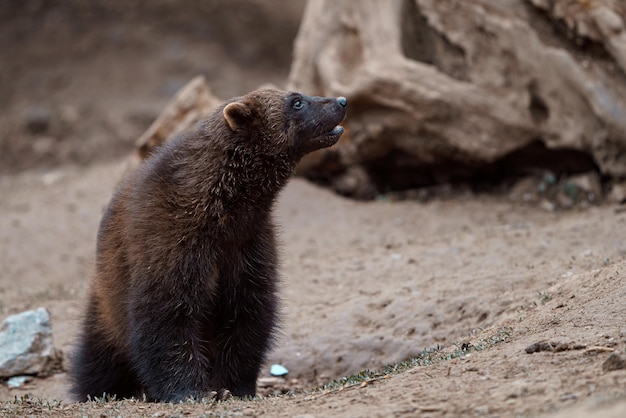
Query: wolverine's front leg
[
  {"x": 165, "y": 344},
  {"x": 245, "y": 336},
  {"x": 98, "y": 366}
]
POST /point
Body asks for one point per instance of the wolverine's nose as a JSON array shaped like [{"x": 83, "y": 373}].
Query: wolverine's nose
[{"x": 343, "y": 102}]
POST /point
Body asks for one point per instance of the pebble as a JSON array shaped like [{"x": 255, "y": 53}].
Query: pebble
[
  {"x": 614, "y": 362},
  {"x": 17, "y": 381},
  {"x": 278, "y": 370}
]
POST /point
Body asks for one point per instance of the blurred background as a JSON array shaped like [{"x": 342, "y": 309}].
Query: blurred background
[
  {"x": 81, "y": 80},
  {"x": 524, "y": 97}
]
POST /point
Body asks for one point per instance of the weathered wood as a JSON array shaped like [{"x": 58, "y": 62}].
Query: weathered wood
[
  {"x": 191, "y": 104},
  {"x": 464, "y": 81}
]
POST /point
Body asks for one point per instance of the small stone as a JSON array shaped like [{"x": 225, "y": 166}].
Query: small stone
[
  {"x": 560, "y": 347},
  {"x": 248, "y": 412},
  {"x": 17, "y": 381},
  {"x": 26, "y": 345},
  {"x": 278, "y": 370},
  {"x": 614, "y": 362},
  {"x": 540, "y": 346}
]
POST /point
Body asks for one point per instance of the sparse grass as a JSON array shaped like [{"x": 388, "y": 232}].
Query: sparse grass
[
  {"x": 545, "y": 297},
  {"x": 33, "y": 406},
  {"x": 425, "y": 358}
]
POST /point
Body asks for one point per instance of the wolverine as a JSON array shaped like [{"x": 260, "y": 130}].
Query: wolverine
[{"x": 184, "y": 300}]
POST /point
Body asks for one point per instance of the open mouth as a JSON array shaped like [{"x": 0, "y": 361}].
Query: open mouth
[{"x": 330, "y": 138}]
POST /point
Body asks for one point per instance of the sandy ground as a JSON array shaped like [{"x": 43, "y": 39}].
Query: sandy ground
[{"x": 365, "y": 285}]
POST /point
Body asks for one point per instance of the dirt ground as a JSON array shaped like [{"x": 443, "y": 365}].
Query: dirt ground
[{"x": 473, "y": 279}]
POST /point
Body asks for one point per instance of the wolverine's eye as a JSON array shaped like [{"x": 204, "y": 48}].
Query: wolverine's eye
[{"x": 297, "y": 104}]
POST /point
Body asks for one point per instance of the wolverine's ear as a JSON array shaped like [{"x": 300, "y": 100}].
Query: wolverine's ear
[{"x": 236, "y": 113}]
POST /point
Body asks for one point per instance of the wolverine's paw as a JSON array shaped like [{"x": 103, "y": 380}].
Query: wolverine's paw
[{"x": 220, "y": 395}]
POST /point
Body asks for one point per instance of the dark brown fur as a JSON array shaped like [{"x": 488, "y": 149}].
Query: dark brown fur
[{"x": 184, "y": 300}]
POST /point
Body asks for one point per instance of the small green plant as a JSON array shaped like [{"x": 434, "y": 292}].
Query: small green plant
[
  {"x": 545, "y": 297},
  {"x": 37, "y": 405}
]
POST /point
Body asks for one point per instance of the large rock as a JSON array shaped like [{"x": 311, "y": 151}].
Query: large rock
[
  {"x": 445, "y": 88},
  {"x": 26, "y": 345}
]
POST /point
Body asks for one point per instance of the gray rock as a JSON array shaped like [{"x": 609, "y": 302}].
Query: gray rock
[
  {"x": 26, "y": 345},
  {"x": 18, "y": 381},
  {"x": 614, "y": 362}
]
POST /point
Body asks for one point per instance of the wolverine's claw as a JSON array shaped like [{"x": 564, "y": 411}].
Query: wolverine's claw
[
  {"x": 223, "y": 395},
  {"x": 220, "y": 395}
]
